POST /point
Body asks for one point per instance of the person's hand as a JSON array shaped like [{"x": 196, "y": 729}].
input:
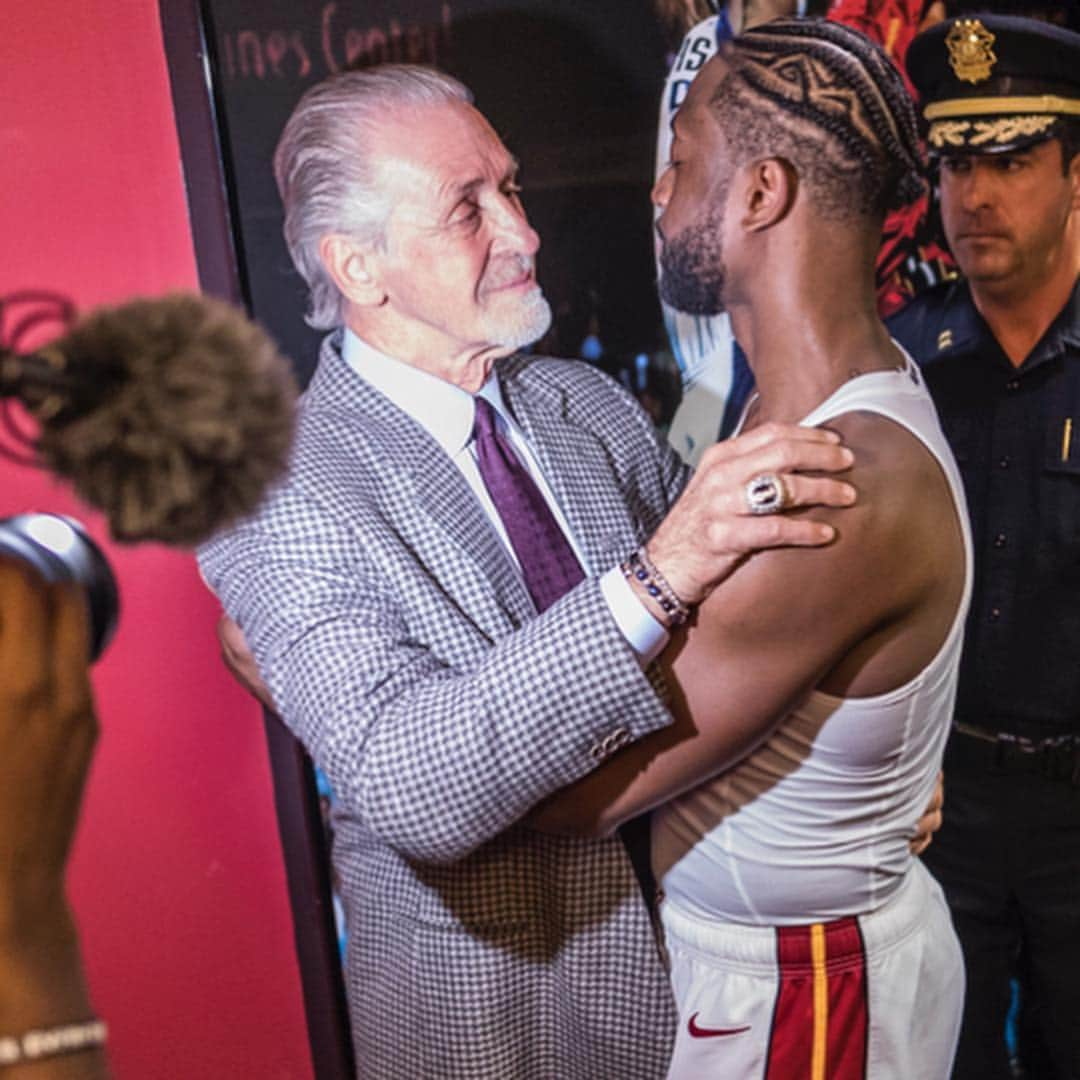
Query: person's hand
[
  {"x": 47, "y": 733},
  {"x": 710, "y": 529},
  {"x": 238, "y": 659},
  {"x": 931, "y": 819},
  {"x": 48, "y": 729}
]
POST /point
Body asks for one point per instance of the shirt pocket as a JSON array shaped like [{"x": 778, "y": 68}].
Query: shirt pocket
[
  {"x": 1062, "y": 454},
  {"x": 1060, "y": 502}
]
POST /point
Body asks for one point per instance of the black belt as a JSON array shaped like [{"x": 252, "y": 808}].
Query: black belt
[{"x": 1056, "y": 757}]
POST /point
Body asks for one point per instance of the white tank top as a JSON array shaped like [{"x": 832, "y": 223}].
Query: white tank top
[{"x": 814, "y": 824}]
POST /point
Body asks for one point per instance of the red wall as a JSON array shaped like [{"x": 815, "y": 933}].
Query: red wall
[{"x": 177, "y": 876}]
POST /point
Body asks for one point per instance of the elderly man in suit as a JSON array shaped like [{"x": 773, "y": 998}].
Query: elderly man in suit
[{"x": 456, "y": 595}]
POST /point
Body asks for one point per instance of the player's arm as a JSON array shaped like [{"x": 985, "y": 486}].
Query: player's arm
[{"x": 779, "y": 626}]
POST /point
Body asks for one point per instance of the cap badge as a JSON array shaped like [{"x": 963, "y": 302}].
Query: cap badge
[{"x": 971, "y": 51}]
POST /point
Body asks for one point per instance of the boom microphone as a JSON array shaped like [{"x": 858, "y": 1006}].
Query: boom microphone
[{"x": 172, "y": 416}]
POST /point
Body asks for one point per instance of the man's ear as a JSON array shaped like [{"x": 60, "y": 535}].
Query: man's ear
[
  {"x": 770, "y": 188},
  {"x": 352, "y": 266},
  {"x": 1074, "y": 180}
]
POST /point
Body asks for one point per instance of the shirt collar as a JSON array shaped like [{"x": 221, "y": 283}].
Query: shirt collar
[
  {"x": 962, "y": 328},
  {"x": 444, "y": 410},
  {"x": 1064, "y": 332},
  {"x": 1060, "y": 335},
  {"x": 965, "y": 330}
]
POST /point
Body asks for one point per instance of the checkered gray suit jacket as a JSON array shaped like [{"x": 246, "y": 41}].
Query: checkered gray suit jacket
[{"x": 402, "y": 648}]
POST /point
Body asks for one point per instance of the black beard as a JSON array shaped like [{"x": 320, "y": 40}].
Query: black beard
[{"x": 692, "y": 269}]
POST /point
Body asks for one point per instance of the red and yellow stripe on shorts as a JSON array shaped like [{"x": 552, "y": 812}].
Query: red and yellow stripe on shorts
[{"x": 820, "y": 1019}]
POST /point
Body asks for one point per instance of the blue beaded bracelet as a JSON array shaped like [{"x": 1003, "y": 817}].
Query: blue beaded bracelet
[{"x": 641, "y": 568}]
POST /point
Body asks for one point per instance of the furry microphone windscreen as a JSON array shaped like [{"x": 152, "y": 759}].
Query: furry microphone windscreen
[{"x": 183, "y": 418}]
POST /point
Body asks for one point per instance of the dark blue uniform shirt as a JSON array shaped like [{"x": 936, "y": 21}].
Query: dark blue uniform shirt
[{"x": 1016, "y": 436}]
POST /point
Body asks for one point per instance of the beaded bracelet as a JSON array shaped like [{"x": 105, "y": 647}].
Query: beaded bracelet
[
  {"x": 641, "y": 568},
  {"x": 50, "y": 1042}
]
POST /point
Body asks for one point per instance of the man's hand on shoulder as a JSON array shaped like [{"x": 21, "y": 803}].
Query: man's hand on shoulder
[{"x": 711, "y": 528}]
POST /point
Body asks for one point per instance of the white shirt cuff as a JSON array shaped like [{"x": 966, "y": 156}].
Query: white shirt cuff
[{"x": 645, "y": 634}]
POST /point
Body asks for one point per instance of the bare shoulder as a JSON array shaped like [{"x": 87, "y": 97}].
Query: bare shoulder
[
  {"x": 890, "y": 559},
  {"x": 899, "y": 571},
  {"x": 900, "y": 487},
  {"x": 898, "y": 478},
  {"x": 896, "y": 539}
]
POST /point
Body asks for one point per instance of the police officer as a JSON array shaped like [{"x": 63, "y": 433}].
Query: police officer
[{"x": 1001, "y": 354}]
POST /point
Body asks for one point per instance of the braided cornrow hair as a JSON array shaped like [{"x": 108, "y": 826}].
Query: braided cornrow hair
[{"x": 828, "y": 99}]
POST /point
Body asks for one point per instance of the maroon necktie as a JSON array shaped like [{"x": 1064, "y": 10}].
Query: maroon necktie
[{"x": 548, "y": 563}]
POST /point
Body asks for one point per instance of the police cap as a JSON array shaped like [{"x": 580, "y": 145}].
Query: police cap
[{"x": 994, "y": 83}]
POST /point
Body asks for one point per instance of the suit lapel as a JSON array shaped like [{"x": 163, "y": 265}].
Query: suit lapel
[
  {"x": 577, "y": 465},
  {"x": 448, "y": 510}
]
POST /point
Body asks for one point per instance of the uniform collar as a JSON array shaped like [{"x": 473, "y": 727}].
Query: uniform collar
[
  {"x": 963, "y": 329},
  {"x": 1064, "y": 331}
]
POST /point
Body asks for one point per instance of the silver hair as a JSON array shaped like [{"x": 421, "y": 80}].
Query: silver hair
[{"x": 324, "y": 166}]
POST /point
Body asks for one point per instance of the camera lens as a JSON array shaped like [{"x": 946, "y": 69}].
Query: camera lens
[{"x": 60, "y": 549}]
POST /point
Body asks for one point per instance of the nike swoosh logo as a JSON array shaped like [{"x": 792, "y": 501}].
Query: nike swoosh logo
[{"x": 710, "y": 1033}]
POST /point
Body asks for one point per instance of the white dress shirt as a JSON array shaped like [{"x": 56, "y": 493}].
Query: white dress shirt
[{"x": 446, "y": 412}]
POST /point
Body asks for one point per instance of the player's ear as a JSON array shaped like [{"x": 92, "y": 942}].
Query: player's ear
[
  {"x": 352, "y": 266},
  {"x": 771, "y": 187}
]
